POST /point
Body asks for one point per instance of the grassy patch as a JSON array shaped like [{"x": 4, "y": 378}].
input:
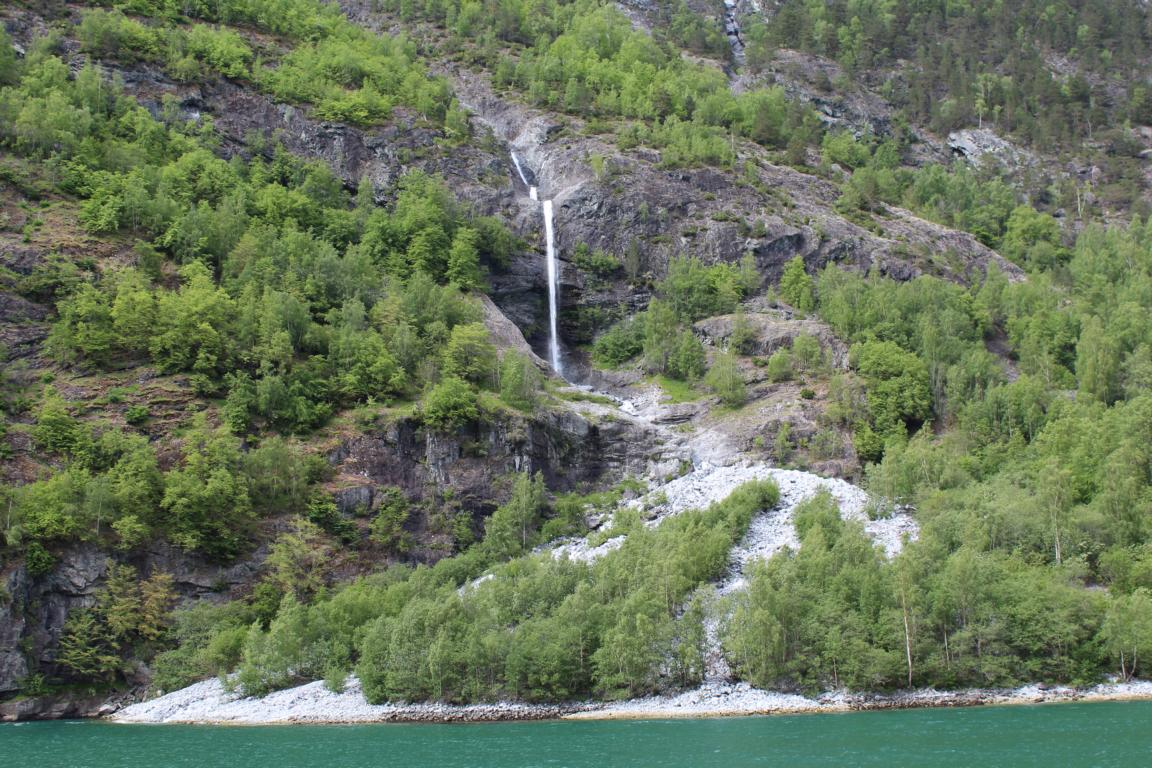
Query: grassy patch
[
  {"x": 580, "y": 396},
  {"x": 678, "y": 391}
]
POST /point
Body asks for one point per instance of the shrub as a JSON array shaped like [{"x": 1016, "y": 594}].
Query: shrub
[
  {"x": 136, "y": 414},
  {"x": 450, "y": 404}
]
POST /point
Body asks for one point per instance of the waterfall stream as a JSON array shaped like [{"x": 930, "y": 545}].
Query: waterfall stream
[
  {"x": 732, "y": 31},
  {"x": 553, "y": 269},
  {"x": 553, "y": 289}
]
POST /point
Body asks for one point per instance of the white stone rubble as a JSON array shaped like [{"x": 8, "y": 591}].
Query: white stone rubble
[{"x": 210, "y": 702}]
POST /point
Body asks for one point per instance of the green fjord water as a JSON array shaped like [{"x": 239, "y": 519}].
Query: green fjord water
[{"x": 1064, "y": 735}]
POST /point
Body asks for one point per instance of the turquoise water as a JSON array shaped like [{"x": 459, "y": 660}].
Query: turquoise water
[{"x": 1053, "y": 736}]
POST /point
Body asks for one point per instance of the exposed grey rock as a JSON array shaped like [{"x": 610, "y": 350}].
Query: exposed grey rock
[
  {"x": 982, "y": 146},
  {"x": 771, "y": 331},
  {"x": 34, "y": 610}
]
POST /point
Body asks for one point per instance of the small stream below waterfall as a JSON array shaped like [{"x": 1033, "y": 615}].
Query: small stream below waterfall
[{"x": 732, "y": 31}]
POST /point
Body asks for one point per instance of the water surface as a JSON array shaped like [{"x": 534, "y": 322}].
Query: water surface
[{"x": 1052, "y": 736}]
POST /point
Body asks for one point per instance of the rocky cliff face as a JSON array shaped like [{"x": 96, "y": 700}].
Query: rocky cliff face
[
  {"x": 470, "y": 468},
  {"x": 34, "y": 608}
]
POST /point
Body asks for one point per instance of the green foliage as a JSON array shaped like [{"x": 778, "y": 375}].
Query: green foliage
[
  {"x": 807, "y": 354},
  {"x": 464, "y": 260},
  {"x": 694, "y": 291},
  {"x": 521, "y": 382},
  {"x": 620, "y": 343},
  {"x": 958, "y": 198},
  {"x": 512, "y": 528},
  {"x": 598, "y": 264},
  {"x": 897, "y": 383},
  {"x": 209, "y": 640},
  {"x": 206, "y": 499},
  {"x": 1127, "y": 629},
  {"x": 686, "y": 360},
  {"x": 278, "y": 307},
  {"x": 779, "y": 366},
  {"x": 469, "y": 354},
  {"x": 356, "y": 77},
  {"x": 574, "y": 629},
  {"x": 38, "y": 560},
  {"x": 9, "y": 64},
  {"x": 57, "y": 430},
  {"x": 542, "y": 629},
  {"x": 818, "y": 515},
  {"x": 323, "y": 513},
  {"x": 299, "y": 560},
  {"x": 293, "y": 302},
  {"x": 136, "y": 414},
  {"x": 1032, "y": 239},
  {"x": 343, "y": 71},
  {"x": 726, "y": 381},
  {"x": 388, "y": 526},
  {"x": 86, "y": 648},
  {"x": 992, "y": 74},
  {"x": 742, "y": 339},
  {"x": 450, "y": 404},
  {"x": 131, "y": 616},
  {"x": 796, "y": 286}
]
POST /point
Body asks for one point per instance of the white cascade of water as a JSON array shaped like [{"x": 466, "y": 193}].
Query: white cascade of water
[
  {"x": 553, "y": 271},
  {"x": 553, "y": 289},
  {"x": 520, "y": 170},
  {"x": 523, "y": 177}
]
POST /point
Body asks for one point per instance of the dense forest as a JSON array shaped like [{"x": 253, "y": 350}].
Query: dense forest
[{"x": 199, "y": 324}]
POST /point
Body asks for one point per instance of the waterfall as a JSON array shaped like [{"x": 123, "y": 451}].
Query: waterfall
[
  {"x": 553, "y": 270},
  {"x": 733, "y": 32},
  {"x": 520, "y": 170},
  {"x": 553, "y": 289},
  {"x": 523, "y": 177}
]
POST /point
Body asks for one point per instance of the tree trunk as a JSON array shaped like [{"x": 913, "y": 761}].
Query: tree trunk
[{"x": 907, "y": 635}]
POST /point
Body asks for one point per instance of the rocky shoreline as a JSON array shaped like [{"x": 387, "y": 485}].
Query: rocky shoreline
[
  {"x": 209, "y": 702},
  {"x": 741, "y": 700}
]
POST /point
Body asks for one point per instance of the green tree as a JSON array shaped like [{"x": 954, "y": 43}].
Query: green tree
[
  {"x": 57, "y": 430},
  {"x": 206, "y": 499},
  {"x": 796, "y": 286},
  {"x": 300, "y": 559},
  {"x": 659, "y": 335},
  {"x": 726, "y": 381},
  {"x": 194, "y": 325},
  {"x": 1127, "y": 630},
  {"x": 511, "y": 528},
  {"x": 520, "y": 381},
  {"x": 1097, "y": 361},
  {"x": 742, "y": 339},
  {"x": 9, "y": 64},
  {"x": 450, "y": 404},
  {"x": 897, "y": 386},
  {"x": 687, "y": 360},
  {"x": 470, "y": 355},
  {"x": 387, "y": 527},
  {"x": 779, "y": 366},
  {"x": 1032, "y": 239},
  {"x": 464, "y": 260},
  {"x": 87, "y": 649}
]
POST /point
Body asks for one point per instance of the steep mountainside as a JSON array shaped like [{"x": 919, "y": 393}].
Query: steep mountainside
[{"x": 274, "y": 310}]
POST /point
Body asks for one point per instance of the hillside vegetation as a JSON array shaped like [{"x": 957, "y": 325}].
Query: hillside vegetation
[{"x": 264, "y": 392}]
